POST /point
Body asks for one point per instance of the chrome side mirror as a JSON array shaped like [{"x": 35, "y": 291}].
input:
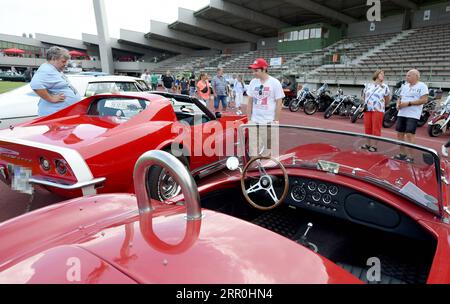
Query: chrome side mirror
[{"x": 233, "y": 164}]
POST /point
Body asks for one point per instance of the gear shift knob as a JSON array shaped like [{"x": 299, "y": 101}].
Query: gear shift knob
[{"x": 310, "y": 225}]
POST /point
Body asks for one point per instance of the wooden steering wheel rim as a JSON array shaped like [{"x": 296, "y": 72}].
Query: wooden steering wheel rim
[{"x": 286, "y": 183}]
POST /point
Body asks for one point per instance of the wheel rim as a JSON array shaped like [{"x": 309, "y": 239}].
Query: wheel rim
[
  {"x": 436, "y": 131},
  {"x": 167, "y": 187},
  {"x": 294, "y": 107},
  {"x": 309, "y": 107}
]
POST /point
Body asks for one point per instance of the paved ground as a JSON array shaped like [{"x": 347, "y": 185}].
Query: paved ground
[{"x": 13, "y": 204}]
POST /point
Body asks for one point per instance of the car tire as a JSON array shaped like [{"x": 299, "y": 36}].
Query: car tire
[{"x": 156, "y": 176}]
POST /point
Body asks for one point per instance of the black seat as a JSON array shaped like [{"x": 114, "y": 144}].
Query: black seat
[{"x": 361, "y": 274}]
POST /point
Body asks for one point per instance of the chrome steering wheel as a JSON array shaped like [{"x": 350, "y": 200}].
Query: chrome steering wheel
[{"x": 265, "y": 183}]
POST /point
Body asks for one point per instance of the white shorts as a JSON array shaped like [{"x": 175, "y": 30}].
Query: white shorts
[{"x": 239, "y": 99}]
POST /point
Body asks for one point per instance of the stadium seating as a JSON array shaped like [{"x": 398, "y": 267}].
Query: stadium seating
[{"x": 426, "y": 49}]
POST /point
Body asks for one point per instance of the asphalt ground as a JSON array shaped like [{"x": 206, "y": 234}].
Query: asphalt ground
[{"x": 13, "y": 204}]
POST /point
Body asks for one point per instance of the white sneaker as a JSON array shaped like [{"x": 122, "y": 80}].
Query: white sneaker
[
  {"x": 239, "y": 113},
  {"x": 444, "y": 151}
]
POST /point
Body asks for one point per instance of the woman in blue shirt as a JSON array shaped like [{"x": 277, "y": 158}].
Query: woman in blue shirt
[{"x": 52, "y": 86}]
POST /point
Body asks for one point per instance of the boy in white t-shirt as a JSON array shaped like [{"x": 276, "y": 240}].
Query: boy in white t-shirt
[
  {"x": 413, "y": 96},
  {"x": 266, "y": 95},
  {"x": 265, "y": 100}
]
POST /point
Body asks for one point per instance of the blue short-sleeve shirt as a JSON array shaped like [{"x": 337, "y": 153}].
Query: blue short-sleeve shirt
[{"x": 49, "y": 78}]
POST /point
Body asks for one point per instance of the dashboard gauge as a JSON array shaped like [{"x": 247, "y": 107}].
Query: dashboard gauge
[
  {"x": 298, "y": 194},
  {"x": 316, "y": 196},
  {"x": 312, "y": 186},
  {"x": 326, "y": 199},
  {"x": 322, "y": 188},
  {"x": 333, "y": 190}
]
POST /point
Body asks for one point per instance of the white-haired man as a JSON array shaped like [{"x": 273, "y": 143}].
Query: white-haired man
[{"x": 413, "y": 96}]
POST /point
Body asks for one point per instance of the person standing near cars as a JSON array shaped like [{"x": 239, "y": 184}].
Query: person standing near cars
[
  {"x": 192, "y": 84},
  {"x": 154, "y": 80},
  {"x": 203, "y": 89},
  {"x": 168, "y": 82},
  {"x": 376, "y": 96},
  {"x": 51, "y": 85},
  {"x": 184, "y": 86},
  {"x": 413, "y": 96},
  {"x": 146, "y": 76},
  {"x": 238, "y": 90},
  {"x": 219, "y": 86},
  {"x": 264, "y": 107}
]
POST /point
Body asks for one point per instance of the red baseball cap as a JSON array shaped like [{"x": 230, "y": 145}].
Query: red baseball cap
[{"x": 260, "y": 63}]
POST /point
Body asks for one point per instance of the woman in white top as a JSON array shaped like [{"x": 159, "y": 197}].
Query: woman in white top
[
  {"x": 376, "y": 95},
  {"x": 239, "y": 89}
]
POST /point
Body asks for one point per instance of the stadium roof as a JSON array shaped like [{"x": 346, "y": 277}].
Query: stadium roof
[{"x": 237, "y": 21}]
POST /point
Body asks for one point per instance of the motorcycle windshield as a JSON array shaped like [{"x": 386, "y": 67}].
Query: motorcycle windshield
[{"x": 410, "y": 171}]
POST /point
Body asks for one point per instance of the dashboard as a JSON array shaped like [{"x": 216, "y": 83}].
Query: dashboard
[
  {"x": 317, "y": 195},
  {"x": 348, "y": 204}
]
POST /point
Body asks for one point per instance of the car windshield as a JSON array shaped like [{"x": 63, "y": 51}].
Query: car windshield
[
  {"x": 123, "y": 108},
  {"x": 142, "y": 85},
  {"x": 337, "y": 152},
  {"x": 96, "y": 88}
]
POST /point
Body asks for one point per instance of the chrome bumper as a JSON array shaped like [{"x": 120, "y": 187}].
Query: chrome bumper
[{"x": 75, "y": 186}]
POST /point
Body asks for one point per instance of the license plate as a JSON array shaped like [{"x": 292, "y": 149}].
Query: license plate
[{"x": 20, "y": 180}]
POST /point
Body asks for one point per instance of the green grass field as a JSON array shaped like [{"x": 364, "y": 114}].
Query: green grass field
[{"x": 6, "y": 86}]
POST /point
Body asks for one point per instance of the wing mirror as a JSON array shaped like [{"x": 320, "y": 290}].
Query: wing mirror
[
  {"x": 218, "y": 115},
  {"x": 233, "y": 164}
]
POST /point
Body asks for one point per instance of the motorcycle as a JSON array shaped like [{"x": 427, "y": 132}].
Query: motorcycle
[
  {"x": 357, "y": 112},
  {"x": 299, "y": 102},
  {"x": 289, "y": 96},
  {"x": 342, "y": 105},
  {"x": 321, "y": 101},
  {"x": 439, "y": 124},
  {"x": 390, "y": 114}
]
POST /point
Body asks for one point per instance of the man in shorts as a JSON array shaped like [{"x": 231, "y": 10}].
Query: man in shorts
[{"x": 413, "y": 96}]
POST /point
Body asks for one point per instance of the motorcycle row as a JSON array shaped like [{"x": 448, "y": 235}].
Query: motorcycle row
[{"x": 352, "y": 106}]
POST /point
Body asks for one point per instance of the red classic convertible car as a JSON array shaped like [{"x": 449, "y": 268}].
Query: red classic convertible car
[
  {"x": 322, "y": 211},
  {"x": 92, "y": 146}
]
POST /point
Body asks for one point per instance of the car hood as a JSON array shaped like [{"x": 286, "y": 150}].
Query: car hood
[
  {"x": 19, "y": 103},
  {"x": 75, "y": 132},
  {"x": 161, "y": 247}
]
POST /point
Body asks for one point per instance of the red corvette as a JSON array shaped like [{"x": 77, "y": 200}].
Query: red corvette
[
  {"x": 92, "y": 146},
  {"x": 321, "y": 211}
]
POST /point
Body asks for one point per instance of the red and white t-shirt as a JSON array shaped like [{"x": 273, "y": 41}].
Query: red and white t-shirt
[{"x": 264, "y": 96}]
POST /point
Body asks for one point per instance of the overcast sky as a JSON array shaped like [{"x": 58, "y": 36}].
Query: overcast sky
[{"x": 70, "y": 18}]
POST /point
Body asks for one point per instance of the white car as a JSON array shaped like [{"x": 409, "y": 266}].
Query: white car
[{"x": 21, "y": 104}]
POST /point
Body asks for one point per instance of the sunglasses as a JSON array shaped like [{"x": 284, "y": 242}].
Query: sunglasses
[{"x": 261, "y": 90}]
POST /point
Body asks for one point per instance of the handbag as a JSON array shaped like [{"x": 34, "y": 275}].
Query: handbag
[{"x": 205, "y": 90}]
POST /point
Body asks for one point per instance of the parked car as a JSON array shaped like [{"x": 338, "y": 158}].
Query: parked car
[
  {"x": 21, "y": 105},
  {"x": 12, "y": 76},
  {"x": 92, "y": 146},
  {"x": 307, "y": 216}
]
